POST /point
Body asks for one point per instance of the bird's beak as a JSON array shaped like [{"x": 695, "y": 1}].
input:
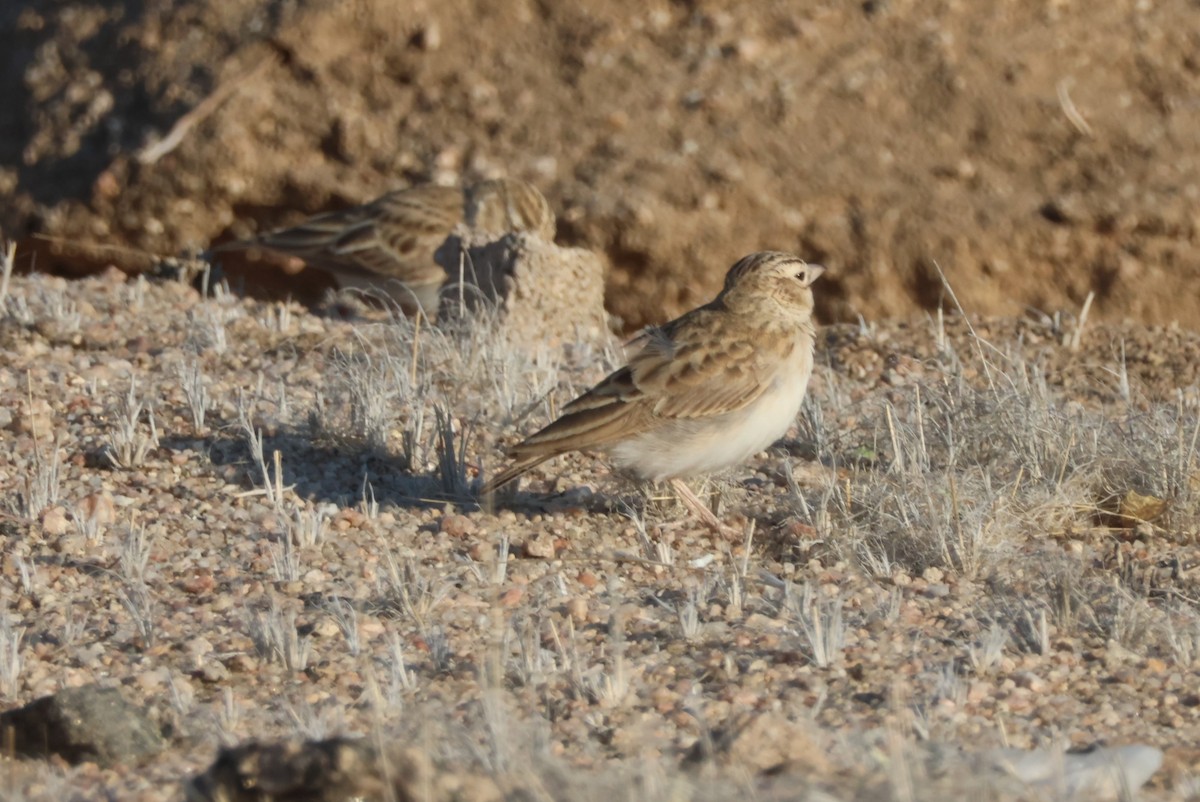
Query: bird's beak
[{"x": 814, "y": 272}]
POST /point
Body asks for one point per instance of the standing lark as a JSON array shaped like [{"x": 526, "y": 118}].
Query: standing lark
[
  {"x": 389, "y": 244},
  {"x": 705, "y": 391}
]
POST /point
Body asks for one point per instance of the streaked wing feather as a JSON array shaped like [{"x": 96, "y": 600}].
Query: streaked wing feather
[
  {"x": 599, "y": 415},
  {"x": 315, "y": 235},
  {"x": 382, "y": 236},
  {"x": 685, "y": 372},
  {"x": 616, "y": 387},
  {"x": 676, "y": 375},
  {"x": 428, "y": 208}
]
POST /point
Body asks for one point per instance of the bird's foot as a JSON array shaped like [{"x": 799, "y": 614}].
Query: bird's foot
[{"x": 702, "y": 512}]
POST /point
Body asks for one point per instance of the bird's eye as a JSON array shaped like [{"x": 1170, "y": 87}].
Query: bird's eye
[{"x": 801, "y": 275}]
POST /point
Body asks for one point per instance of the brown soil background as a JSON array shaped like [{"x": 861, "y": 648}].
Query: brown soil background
[{"x": 1034, "y": 151}]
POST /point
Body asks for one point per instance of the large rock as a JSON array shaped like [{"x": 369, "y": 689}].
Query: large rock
[
  {"x": 1099, "y": 774},
  {"x": 1034, "y": 153},
  {"x": 334, "y": 770},
  {"x": 544, "y": 293},
  {"x": 90, "y": 723}
]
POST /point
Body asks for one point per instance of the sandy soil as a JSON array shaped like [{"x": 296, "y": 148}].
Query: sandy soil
[
  {"x": 979, "y": 533},
  {"x": 1035, "y": 152}
]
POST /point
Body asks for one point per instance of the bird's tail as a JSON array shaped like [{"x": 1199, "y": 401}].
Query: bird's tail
[{"x": 512, "y": 472}]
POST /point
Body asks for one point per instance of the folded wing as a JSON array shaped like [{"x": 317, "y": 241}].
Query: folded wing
[{"x": 681, "y": 372}]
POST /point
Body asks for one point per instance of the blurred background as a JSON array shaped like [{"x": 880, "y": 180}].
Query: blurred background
[{"x": 1035, "y": 150}]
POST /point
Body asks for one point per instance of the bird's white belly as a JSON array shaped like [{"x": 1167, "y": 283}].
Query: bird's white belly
[{"x": 690, "y": 447}]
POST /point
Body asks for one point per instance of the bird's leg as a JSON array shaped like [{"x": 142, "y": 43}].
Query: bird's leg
[{"x": 698, "y": 507}]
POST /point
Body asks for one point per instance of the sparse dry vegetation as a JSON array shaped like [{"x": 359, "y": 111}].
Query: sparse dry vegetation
[
  {"x": 971, "y": 540},
  {"x": 977, "y": 548}
]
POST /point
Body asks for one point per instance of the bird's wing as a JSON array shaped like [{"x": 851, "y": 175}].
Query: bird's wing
[
  {"x": 400, "y": 233},
  {"x": 316, "y": 234},
  {"x": 688, "y": 369},
  {"x": 393, "y": 236},
  {"x": 685, "y": 370}
]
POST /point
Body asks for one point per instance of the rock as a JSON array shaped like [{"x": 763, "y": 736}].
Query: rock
[
  {"x": 98, "y": 510},
  {"x": 765, "y": 743},
  {"x": 334, "y": 770},
  {"x": 577, "y": 608},
  {"x": 456, "y": 525},
  {"x": 1116, "y": 655},
  {"x": 546, "y": 294},
  {"x": 36, "y": 419},
  {"x": 211, "y": 672},
  {"x": 55, "y": 521},
  {"x": 540, "y": 545},
  {"x": 1100, "y": 773},
  {"x": 89, "y": 723}
]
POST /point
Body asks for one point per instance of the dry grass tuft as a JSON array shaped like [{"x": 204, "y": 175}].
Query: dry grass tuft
[{"x": 283, "y": 540}]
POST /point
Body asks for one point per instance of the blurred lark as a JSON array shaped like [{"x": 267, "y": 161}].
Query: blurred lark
[
  {"x": 389, "y": 244},
  {"x": 704, "y": 392}
]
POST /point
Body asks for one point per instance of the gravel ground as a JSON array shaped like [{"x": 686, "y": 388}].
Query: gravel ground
[{"x": 258, "y": 522}]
